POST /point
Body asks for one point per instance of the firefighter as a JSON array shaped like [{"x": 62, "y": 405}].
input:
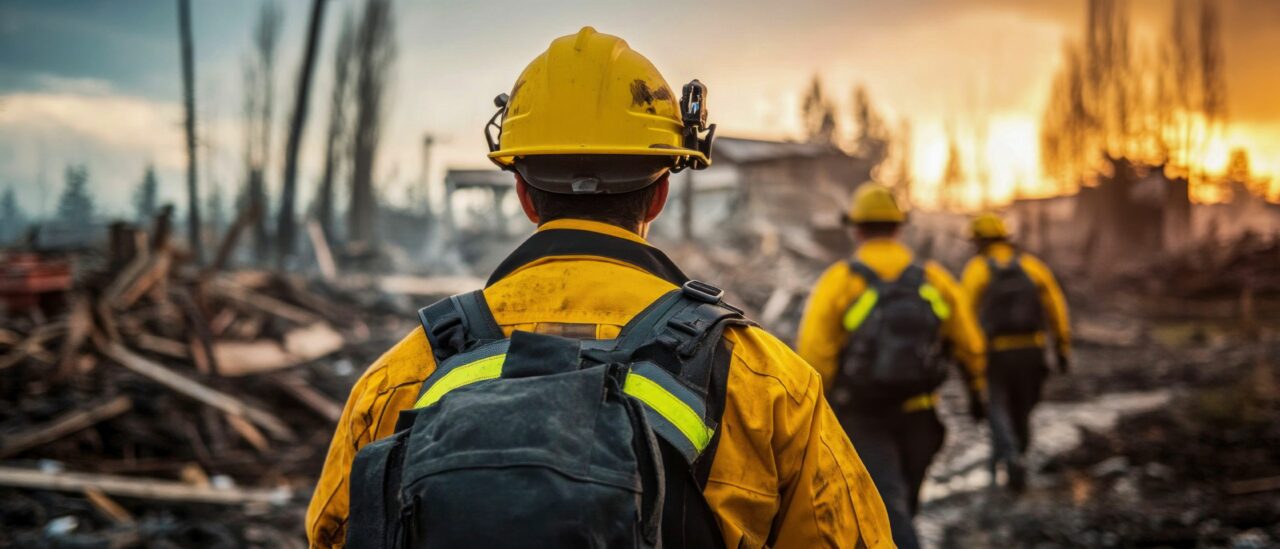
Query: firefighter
[
  {"x": 1019, "y": 305},
  {"x": 881, "y": 328},
  {"x": 591, "y": 132}
]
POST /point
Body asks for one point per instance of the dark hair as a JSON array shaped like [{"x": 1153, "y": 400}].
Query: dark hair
[
  {"x": 877, "y": 229},
  {"x": 626, "y": 210}
]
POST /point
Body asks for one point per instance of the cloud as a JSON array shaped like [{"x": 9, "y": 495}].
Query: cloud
[{"x": 114, "y": 122}]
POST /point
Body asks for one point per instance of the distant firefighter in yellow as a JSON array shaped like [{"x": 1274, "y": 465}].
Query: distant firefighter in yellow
[
  {"x": 1020, "y": 307},
  {"x": 877, "y": 328}
]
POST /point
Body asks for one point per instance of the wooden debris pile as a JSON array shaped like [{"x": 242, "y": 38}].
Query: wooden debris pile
[
  {"x": 168, "y": 404},
  {"x": 1244, "y": 267}
]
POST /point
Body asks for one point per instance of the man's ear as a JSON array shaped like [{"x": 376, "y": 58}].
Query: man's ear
[
  {"x": 526, "y": 204},
  {"x": 659, "y": 200}
]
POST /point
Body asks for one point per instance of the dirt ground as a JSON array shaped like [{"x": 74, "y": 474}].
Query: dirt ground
[
  {"x": 1163, "y": 435},
  {"x": 1168, "y": 439}
]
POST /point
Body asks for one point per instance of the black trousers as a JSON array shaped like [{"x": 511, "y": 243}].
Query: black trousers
[
  {"x": 1014, "y": 380},
  {"x": 897, "y": 447}
]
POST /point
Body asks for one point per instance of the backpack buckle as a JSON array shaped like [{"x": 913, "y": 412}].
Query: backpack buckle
[{"x": 701, "y": 291}]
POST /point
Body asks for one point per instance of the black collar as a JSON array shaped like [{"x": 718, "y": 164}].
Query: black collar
[{"x": 559, "y": 242}]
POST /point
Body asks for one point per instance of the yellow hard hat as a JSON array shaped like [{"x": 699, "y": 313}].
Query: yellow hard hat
[
  {"x": 591, "y": 94},
  {"x": 875, "y": 203},
  {"x": 988, "y": 226}
]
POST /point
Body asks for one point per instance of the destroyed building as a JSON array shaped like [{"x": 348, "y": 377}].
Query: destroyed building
[
  {"x": 776, "y": 185},
  {"x": 1133, "y": 211}
]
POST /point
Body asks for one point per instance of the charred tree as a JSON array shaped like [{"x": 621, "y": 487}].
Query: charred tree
[
  {"x": 336, "y": 134},
  {"x": 259, "y": 90},
  {"x": 189, "y": 100},
  {"x": 145, "y": 197},
  {"x": 818, "y": 115},
  {"x": 286, "y": 225},
  {"x": 375, "y": 54}
]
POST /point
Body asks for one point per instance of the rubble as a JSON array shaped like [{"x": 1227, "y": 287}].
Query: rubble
[
  {"x": 156, "y": 390},
  {"x": 1249, "y": 264}
]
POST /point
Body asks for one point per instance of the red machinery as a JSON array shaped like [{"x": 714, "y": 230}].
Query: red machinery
[{"x": 29, "y": 281}]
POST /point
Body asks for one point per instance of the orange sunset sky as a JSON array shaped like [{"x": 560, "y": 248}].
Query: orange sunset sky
[{"x": 97, "y": 82}]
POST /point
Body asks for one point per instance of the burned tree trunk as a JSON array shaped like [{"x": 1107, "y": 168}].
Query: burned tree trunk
[
  {"x": 337, "y": 131},
  {"x": 375, "y": 52},
  {"x": 287, "y": 225},
  {"x": 189, "y": 96}
]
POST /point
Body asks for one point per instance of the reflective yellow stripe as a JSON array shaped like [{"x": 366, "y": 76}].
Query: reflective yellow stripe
[
  {"x": 920, "y": 402},
  {"x": 860, "y": 309},
  {"x": 480, "y": 370},
  {"x": 935, "y": 299},
  {"x": 675, "y": 410},
  {"x": 1017, "y": 341}
]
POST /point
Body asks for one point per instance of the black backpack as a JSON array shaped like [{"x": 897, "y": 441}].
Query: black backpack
[
  {"x": 545, "y": 441},
  {"x": 894, "y": 348},
  {"x": 1011, "y": 304}
]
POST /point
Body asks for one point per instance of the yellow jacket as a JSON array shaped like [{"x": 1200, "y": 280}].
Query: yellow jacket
[
  {"x": 977, "y": 275},
  {"x": 822, "y": 333},
  {"x": 784, "y": 473}
]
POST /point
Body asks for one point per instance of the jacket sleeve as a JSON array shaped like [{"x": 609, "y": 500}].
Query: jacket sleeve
[
  {"x": 829, "y": 499},
  {"x": 822, "y": 333},
  {"x": 785, "y": 473},
  {"x": 975, "y": 279},
  {"x": 1055, "y": 304},
  {"x": 968, "y": 344},
  {"x": 391, "y": 384}
]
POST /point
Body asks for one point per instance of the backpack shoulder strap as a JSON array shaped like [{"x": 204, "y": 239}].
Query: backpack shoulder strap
[
  {"x": 458, "y": 323},
  {"x": 912, "y": 277},
  {"x": 992, "y": 265},
  {"x": 686, "y": 321},
  {"x": 672, "y": 346},
  {"x": 866, "y": 272},
  {"x": 1015, "y": 263}
]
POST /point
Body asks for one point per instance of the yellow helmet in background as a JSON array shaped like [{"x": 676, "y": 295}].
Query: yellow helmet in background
[
  {"x": 591, "y": 94},
  {"x": 875, "y": 203},
  {"x": 988, "y": 226}
]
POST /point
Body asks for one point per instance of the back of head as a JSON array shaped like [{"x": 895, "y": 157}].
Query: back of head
[{"x": 591, "y": 125}]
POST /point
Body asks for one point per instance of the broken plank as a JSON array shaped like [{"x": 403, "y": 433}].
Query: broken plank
[
  {"x": 240, "y": 358},
  {"x": 298, "y": 388},
  {"x": 249, "y": 433},
  {"x": 246, "y": 218},
  {"x": 776, "y": 305},
  {"x": 311, "y": 342},
  {"x": 195, "y": 390},
  {"x": 141, "y": 488},
  {"x": 141, "y": 257},
  {"x": 108, "y": 506},
  {"x": 33, "y": 344},
  {"x": 69, "y": 423},
  {"x": 162, "y": 346},
  {"x": 200, "y": 338},
  {"x": 324, "y": 256},
  {"x": 264, "y": 303},
  {"x": 1254, "y": 486},
  {"x": 79, "y": 324},
  {"x": 156, "y": 270}
]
